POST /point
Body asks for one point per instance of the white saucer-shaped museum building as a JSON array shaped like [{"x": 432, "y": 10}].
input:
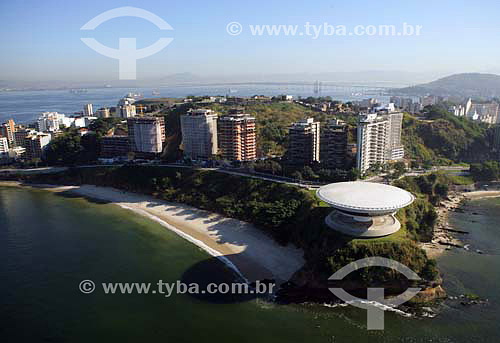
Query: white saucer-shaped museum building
[{"x": 364, "y": 209}]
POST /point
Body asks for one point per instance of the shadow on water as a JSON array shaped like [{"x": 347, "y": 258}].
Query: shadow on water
[
  {"x": 214, "y": 271},
  {"x": 71, "y": 195}
]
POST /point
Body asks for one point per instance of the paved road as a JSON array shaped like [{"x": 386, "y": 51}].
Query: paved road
[
  {"x": 44, "y": 170},
  {"x": 377, "y": 178},
  {"x": 47, "y": 170}
]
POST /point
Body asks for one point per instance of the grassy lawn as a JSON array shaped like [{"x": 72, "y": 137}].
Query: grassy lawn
[
  {"x": 397, "y": 237},
  {"x": 465, "y": 165},
  {"x": 321, "y": 202},
  {"x": 460, "y": 180}
]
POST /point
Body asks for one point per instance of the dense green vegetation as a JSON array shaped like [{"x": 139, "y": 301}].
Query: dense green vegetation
[
  {"x": 443, "y": 138},
  {"x": 419, "y": 218},
  {"x": 407, "y": 252},
  {"x": 487, "y": 171},
  {"x": 71, "y": 148},
  {"x": 315, "y": 172}
]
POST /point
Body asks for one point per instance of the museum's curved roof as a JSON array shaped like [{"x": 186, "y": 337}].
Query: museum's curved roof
[{"x": 365, "y": 197}]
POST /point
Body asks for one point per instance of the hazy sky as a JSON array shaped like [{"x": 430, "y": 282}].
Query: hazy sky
[{"x": 40, "y": 39}]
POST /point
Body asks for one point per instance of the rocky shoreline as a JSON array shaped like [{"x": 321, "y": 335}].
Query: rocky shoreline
[{"x": 445, "y": 236}]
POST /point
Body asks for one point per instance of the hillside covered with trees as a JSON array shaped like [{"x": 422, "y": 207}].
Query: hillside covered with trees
[
  {"x": 463, "y": 85},
  {"x": 441, "y": 138}
]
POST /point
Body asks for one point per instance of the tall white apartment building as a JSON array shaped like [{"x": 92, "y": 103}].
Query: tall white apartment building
[
  {"x": 88, "y": 111},
  {"x": 146, "y": 135},
  {"x": 379, "y": 139},
  {"x": 199, "y": 133},
  {"x": 395, "y": 149},
  {"x": 4, "y": 147},
  {"x": 484, "y": 112},
  {"x": 127, "y": 111},
  {"x": 51, "y": 121},
  {"x": 35, "y": 144},
  {"x": 304, "y": 137}
]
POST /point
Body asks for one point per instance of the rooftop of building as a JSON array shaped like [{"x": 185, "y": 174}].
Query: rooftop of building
[
  {"x": 200, "y": 112},
  {"x": 115, "y": 136},
  {"x": 35, "y": 135},
  {"x": 237, "y": 117},
  {"x": 303, "y": 123},
  {"x": 365, "y": 197},
  {"x": 145, "y": 118}
]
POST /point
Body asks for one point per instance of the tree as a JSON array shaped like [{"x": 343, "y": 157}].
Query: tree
[
  {"x": 64, "y": 149},
  {"x": 102, "y": 126},
  {"x": 487, "y": 171},
  {"x": 441, "y": 190},
  {"x": 297, "y": 175},
  {"x": 399, "y": 169},
  {"x": 268, "y": 166},
  {"x": 308, "y": 173}
]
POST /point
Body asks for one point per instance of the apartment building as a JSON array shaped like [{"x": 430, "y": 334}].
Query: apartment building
[
  {"x": 333, "y": 147},
  {"x": 304, "y": 142},
  {"x": 88, "y": 110},
  {"x": 146, "y": 135},
  {"x": 20, "y": 136},
  {"x": 7, "y": 130},
  {"x": 126, "y": 107},
  {"x": 127, "y": 111},
  {"x": 199, "y": 134},
  {"x": 406, "y": 104},
  {"x": 114, "y": 146},
  {"x": 395, "y": 149},
  {"x": 54, "y": 121},
  {"x": 4, "y": 148},
  {"x": 236, "y": 137},
  {"x": 379, "y": 139},
  {"x": 103, "y": 113},
  {"x": 35, "y": 144}
]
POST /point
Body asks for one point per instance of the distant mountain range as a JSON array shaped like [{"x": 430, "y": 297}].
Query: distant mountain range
[{"x": 464, "y": 85}]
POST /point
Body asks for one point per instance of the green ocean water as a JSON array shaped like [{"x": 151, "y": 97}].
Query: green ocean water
[{"x": 49, "y": 243}]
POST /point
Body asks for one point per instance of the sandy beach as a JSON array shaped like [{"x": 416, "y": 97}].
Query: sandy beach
[
  {"x": 444, "y": 238},
  {"x": 240, "y": 245}
]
